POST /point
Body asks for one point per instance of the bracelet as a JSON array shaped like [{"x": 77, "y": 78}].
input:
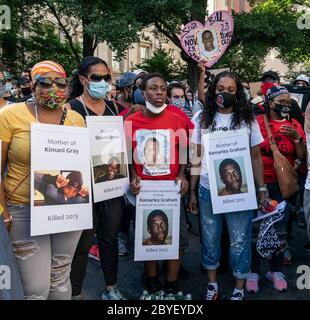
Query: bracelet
[{"x": 262, "y": 189}]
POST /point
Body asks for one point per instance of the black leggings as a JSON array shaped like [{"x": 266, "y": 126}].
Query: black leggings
[{"x": 107, "y": 216}]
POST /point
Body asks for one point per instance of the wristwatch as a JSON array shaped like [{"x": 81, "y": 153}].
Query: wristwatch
[
  {"x": 299, "y": 139},
  {"x": 262, "y": 189}
]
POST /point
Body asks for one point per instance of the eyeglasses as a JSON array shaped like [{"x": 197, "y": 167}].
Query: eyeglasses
[
  {"x": 47, "y": 83},
  {"x": 99, "y": 77}
]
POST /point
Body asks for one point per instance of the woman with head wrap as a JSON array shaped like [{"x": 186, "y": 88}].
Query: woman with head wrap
[
  {"x": 290, "y": 139},
  {"x": 44, "y": 261}
]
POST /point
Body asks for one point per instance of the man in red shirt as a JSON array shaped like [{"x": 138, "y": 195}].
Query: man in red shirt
[{"x": 167, "y": 135}]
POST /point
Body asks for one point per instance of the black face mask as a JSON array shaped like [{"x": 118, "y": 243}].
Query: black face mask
[
  {"x": 26, "y": 91},
  {"x": 225, "y": 100},
  {"x": 282, "y": 110}
]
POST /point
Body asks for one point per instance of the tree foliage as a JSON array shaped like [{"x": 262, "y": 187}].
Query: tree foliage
[
  {"x": 271, "y": 24},
  {"x": 163, "y": 63}
]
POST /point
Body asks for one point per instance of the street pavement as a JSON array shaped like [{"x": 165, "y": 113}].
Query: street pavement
[{"x": 130, "y": 273}]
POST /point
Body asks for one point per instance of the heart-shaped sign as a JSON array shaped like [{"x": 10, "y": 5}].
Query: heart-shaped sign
[{"x": 208, "y": 42}]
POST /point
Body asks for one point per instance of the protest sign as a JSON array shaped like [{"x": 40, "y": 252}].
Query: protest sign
[
  {"x": 109, "y": 157},
  {"x": 157, "y": 221},
  {"x": 230, "y": 171},
  {"x": 209, "y": 41},
  {"x": 60, "y": 179}
]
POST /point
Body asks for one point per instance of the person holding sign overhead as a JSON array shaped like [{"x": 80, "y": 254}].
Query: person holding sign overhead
[
  {"x": 226, "y": 109},
  {"x": 44, "y": 261},
  {"x": 89, "y": 87}
]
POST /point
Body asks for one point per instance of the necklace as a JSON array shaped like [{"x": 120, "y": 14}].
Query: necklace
[
  {"x": 63, "y": 117},
  {"x": 86, "y": 111},
  {"x": 36, "y": 111},
  {"x": 223, "y": 127}
]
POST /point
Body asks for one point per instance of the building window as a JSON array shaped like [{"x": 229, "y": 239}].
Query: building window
[
  {"x": 144, "y": 53},
  {"x": 116, "y": 65},
  {"x": 242, "y": 5}
]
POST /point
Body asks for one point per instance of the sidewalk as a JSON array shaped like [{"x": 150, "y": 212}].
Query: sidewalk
[{"x": 130, "y": 273}]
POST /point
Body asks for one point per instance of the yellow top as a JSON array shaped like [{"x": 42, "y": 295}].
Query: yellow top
[{"x": 15, "y": 120}]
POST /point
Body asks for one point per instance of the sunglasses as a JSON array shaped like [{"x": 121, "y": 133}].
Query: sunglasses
[
  {"x": 99, "y": 77},
  {"x": 46, "y": 82}
]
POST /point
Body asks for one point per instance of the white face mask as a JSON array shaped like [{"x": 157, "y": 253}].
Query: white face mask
[{"x": 153, "y": 109}]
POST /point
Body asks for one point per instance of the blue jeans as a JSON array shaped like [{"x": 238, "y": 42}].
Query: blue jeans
[
  {"x": 240, "y": 233},
  {"x": 11, "y": 289}
]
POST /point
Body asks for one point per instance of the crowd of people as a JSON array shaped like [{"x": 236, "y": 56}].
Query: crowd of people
[{"x": 54, "y": 266}]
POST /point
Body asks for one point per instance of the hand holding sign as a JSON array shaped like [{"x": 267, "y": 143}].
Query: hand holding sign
[{"x": 208, "y": 42}]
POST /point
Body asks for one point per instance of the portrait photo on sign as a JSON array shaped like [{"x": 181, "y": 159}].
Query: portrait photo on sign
[
  {"x": 157, "y": 227},
  {"x": 230, "y": 176},
  {"x": 153, "y": 148},
  {"x": 109, "y": 167},
  {"x": 208, "y": 43},
  {"x": 59, "y": 187}
]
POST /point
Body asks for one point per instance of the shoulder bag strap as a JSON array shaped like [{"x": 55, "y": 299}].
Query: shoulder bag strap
[{"x": 273, "y": 145}]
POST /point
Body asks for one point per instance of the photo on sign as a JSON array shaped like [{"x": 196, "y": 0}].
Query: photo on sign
[
  {"x": 208, "y": 43},
  {"x": 298, "y": 98},
  {"x": 153, "y": 148},
  {"x": 230, "y": 176},
  {"x": 157, "y": 227},
  {"x": 109, "y": 167},
  {"x": 59, "y": 187}
]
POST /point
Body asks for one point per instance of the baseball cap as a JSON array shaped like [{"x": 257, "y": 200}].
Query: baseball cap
[
  {"x": 302, "y": 77},
  {"x": 138, "y": 71},
  {"x": 126, "y": 80},
  {"x": 22, "y": 81},
  {"x": 7, "y": 75}
]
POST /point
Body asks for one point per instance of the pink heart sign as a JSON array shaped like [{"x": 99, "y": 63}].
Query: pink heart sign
[{"x": 209, "y": 41}]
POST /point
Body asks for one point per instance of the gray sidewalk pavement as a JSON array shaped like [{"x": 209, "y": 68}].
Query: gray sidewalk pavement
[{"x": 130, "y": 274}]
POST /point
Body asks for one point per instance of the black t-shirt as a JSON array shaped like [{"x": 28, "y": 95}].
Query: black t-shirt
[{"x": 112, "y": 107}]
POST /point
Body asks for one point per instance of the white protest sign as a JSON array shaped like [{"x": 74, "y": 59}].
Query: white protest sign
[
  {"x": 109, "y": 157},
  {"x": 157, "y": 221},
  {"x": 230, "y": 171},
  {"x": 60, "y": 179}
]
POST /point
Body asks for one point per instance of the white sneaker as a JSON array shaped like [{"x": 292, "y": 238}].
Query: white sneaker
[{"x": 113, "y": 294}]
